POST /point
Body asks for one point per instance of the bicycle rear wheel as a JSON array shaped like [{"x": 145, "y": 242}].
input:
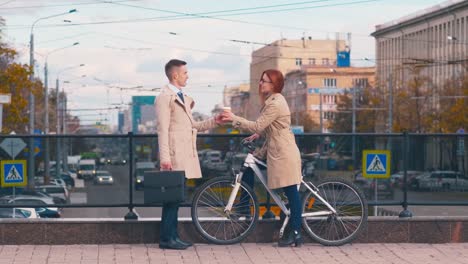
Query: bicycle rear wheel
[
  {"x": 216, "y": 225},
  {"x": 338, "y": 228}
]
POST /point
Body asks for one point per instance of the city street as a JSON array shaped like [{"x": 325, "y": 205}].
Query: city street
[{"x": 118, "y": 194}]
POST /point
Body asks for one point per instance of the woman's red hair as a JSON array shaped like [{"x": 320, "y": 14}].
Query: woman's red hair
[{"x": 277, "y": 80}]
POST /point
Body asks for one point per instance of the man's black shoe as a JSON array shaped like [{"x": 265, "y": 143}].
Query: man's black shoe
[
  {"x": 172, "y": 244},
  {"x": 185, "y": 243}
]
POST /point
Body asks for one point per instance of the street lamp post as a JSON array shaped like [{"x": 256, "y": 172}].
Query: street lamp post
[
  {"x": 46, "y": 113},
  {"x": 64, "y": 124},
  {"x": 58, "y": 111},
  {"x": 31, "y": 97}
]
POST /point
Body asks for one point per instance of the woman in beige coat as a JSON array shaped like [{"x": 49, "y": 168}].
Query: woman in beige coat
[{"x": 282, "y": 155}]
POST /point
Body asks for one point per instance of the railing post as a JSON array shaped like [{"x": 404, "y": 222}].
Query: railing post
[
  {"x": 405, "y": 213},
  {"x": 131, "y": 215}
]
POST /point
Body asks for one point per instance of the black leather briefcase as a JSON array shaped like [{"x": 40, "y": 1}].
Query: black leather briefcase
[{"x": 164, "y": 187}]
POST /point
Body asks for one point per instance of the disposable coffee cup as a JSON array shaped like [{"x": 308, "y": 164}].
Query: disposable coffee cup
[{"x": 226, "y": 108}]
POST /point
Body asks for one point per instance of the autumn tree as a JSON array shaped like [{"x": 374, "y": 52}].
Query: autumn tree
[
  {"x": 367, "y": 111},
  {"x": 308, "y": 122},
  {"x": 453, "y": 104},
  {"x": 411, "y": 106},
  {"x": 14, "y": 80}
]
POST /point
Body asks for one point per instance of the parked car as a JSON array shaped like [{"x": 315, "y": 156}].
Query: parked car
[
  {"x": 308, "y": 169},
  {"x": 25, "y": 200},
  {"x": 55, "y": 191},
  {"x": 48, "y": 212},
  {"x": 64, "y": 180},
  {"x": 18, "y": 213},
  {"x": 441, "y": 180},
  {"x": 201, "y": 156},
  {"x": 103, "y": 177},
  {"x": 39, "y": 193},
  {"x": 384, "y": 187},
  {"x": 68, "y": 179},
  {"x": 212, "y": 161},
  {"x": 397, "y": 178}
]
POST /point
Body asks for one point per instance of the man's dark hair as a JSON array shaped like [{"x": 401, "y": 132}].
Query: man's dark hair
[{"x": 171, "y": 64}]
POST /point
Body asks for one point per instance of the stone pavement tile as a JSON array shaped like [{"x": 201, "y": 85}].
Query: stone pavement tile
[
  {"x": 240, "y": 254},
  {"x": 89, "y": 261}
]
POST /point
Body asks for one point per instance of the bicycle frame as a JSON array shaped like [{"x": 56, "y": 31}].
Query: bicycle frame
[{"x": 251, "y": 162}]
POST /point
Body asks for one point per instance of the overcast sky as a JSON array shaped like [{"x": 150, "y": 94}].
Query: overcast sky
[{"x": 126, "y": 43}]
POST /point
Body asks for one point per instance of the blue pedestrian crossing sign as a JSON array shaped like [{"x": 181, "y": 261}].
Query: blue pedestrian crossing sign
[
  {"x": 13, "y": 173},
  {"x": 376, "y": 164}
]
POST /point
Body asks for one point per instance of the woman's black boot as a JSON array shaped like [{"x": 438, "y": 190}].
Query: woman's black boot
[{"x": 291, "y": 238}]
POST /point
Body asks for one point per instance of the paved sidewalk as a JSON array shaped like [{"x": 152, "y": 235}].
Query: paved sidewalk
[{"x": 239, "y": 254}]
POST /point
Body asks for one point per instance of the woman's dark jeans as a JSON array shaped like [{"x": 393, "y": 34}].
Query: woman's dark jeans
[{"x": 291, "y": 192}]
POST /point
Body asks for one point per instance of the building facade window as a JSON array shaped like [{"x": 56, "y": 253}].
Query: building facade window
[
  {"x": 360, "y": 82},
  {"x": 325, "y": 61},
  {"x": 311, "y": 61},
  {"x": 329, "y": 82},
  {"x": 298, "y": 61}
]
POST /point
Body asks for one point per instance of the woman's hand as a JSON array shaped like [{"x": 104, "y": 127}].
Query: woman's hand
[
  {"x": 219, "y": 119},
  {"x": 252, "y": 137},
  {"x": 227, "y": 116}
]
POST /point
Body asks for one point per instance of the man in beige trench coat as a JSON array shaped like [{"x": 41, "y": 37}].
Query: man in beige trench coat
[{"x": 177, "y": 136}]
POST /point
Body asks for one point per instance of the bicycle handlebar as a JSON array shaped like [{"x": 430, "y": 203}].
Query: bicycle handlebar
[{"x": 248, "y": 144}]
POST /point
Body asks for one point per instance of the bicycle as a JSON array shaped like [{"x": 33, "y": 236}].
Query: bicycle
[{"x": 334, "y": 212}]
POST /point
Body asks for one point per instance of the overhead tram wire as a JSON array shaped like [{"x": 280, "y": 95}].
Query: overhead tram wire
[
  {"x": 227, "y": 53},
  {"x": 60, "y": 5},
  {"x": 182, "y": 15},
  {"x": 7, "y": 2}
]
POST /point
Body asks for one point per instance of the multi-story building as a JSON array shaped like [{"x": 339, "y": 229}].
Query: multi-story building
[
  {"x": 289, "y": 55},
  {"x": 314, "y": 90},
  {"x": 236, "y": 97},
  {"x": 230, "y": 92},
  {"x": 140, "y": 116},
  {"x": 120, "y": 122},
  {"x": 239, "y": 103},
  {"x": 434, "y": 40}
]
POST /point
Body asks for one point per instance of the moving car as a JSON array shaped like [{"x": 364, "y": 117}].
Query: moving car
[
  {"x": 86, "y": 169},
  {"x": 103, "y": 177}
]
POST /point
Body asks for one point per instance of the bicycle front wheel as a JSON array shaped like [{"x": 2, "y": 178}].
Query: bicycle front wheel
[
  {"x": 341, "y": 227},
  {"x": 211, "y": 220}
]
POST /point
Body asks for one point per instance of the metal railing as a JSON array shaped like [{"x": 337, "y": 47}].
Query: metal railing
[{"x": 334, "y": 154}]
